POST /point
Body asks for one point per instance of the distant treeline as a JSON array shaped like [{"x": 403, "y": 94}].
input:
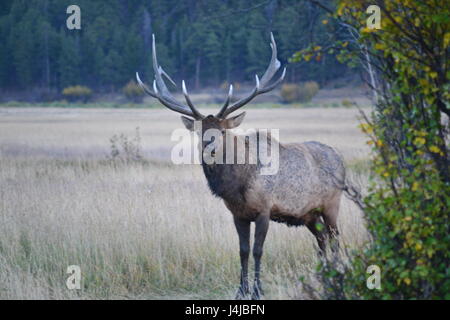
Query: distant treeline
[{"x": 205, "y": 42}]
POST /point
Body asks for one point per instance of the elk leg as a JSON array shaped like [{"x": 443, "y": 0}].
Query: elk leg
[
  {"x": 243, "y": 230},
  {"x": 330, "y": 218},
  {"x": 317, "y": 228},
  {"x": 261, "y": 227}
]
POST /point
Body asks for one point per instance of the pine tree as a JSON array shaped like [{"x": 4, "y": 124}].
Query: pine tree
[
  {"x": 69, "y": 62},
  {"x": 203, "y": 42}
]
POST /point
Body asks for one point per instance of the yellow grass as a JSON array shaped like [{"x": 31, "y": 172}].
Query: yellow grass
[{"x": 142, "y": 230}]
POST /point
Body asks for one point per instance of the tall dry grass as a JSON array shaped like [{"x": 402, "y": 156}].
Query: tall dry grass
[{"x": 145, "y": 229}]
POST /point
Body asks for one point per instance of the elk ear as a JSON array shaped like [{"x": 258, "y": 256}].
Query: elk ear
[
  {"x": 234, "y": 122},
  {"x": 188, "y": 123}
]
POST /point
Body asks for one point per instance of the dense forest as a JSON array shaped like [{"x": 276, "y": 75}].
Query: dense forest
[{"x": 205, "y": 42}]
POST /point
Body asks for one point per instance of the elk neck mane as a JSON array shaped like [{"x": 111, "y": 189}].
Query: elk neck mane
[{"x": 230, "y": 181}]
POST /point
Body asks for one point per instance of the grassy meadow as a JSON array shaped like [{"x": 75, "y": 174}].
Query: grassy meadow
[{"x": 143, "y": 229}]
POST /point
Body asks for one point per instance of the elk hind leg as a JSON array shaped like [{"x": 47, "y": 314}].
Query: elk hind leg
[
  {"x": 330, "y": 214},
  {"x": 314, "y": 224},
  {"x": 261, "y": 227}
]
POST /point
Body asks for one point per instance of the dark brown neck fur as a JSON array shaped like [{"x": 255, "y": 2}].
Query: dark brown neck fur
[{"x": 229, "y": 181}]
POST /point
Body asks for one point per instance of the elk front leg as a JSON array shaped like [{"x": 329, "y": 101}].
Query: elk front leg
[
  {"x": 243, "y": 230},
  {"x": 261, "y": 227}
]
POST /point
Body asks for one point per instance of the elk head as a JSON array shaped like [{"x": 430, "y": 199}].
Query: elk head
[{"x": 220, "y": 121}]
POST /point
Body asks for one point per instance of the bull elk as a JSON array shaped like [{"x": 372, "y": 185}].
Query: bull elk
[{"x": 303, "y": 191}]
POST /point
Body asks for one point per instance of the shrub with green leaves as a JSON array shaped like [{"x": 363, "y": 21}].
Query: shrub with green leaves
[
  {"x": 77, "y": 93},
  {"x": 407, "y": 206},
  {"x": 310, "y": 89},
  {"x": 407, "y": 213},
  {"x": 291, "y": 93},
  {"x": 133, "y": 92},
  {"x": 347, "y": 103}
]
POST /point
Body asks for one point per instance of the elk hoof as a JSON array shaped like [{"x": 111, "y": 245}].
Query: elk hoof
[
  {"x": 242, "y": 293},
  {"x": 257, "y": 292}
]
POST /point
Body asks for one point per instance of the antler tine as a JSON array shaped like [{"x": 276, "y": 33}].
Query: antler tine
[
  {"x": 159, "y": 72},
  {"x": 189, "y": 102},
  {"x": 168, "y": 104},
  {"x": 163, "y": 94},
  {"x": 144, "y": 87},
  {"x": 242, "y": 101},
  {"x": 274, "y": 63},
  {"x": 227, "y": 102},
  {"x": 273, "y": 85},
  {"x": 262, "y": 86}
]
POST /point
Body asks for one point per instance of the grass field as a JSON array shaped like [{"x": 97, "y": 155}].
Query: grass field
[{"x": 144, "y": 229}]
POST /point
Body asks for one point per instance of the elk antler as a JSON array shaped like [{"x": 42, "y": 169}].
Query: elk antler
[
  {"x": 163, "y": 94},
  {"x": 262, "y": 86}
]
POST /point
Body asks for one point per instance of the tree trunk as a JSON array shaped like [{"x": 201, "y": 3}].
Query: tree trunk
[{"x": 197, "y": 73}]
